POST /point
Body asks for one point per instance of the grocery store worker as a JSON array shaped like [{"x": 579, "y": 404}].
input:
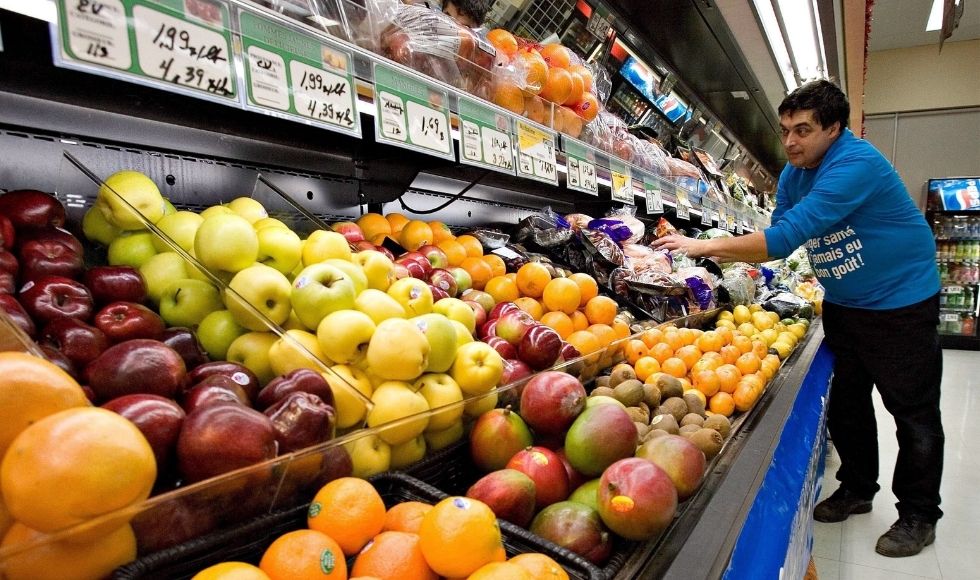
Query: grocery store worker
[
  {"x": 874, "y": 253},
  {"x": 469, "y": 13}
]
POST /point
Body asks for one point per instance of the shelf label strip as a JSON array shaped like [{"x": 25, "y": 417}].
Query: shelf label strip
[
  {"x": 485, "y": 137},
  {"x": 411, "y": 113}
]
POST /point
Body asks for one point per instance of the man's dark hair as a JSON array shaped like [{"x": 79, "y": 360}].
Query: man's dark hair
[
  {"x": 475, "y": 9},
  {"x": 828, "y": 103}
]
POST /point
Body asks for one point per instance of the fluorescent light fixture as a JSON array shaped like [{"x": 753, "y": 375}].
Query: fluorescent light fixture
[
  {"x": 792, "y": 28},
  {"x": 936, "y": 15},
  {"x": 770, "y": 25}
]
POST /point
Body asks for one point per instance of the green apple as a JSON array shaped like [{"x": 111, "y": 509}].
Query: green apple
[
  {"x": 293, "y": 322},
  {"x": 323, "y": 245},
  {"x": 480, "y": 404},
  {"x": 96, "y": 228},
  {"x": 440, "y": 390},
  {"x": 407, "y": 453},
  {"x": 441, "y": 334},
  {"x": 160, "y": 271},
  {"x": 216, "y": 210},
  {"x": 181, "y": 227},
  {"x": 344, "y": 335},
  {"x": 380, "y": 270},
  {"x": 135, "y": 192},
  {"x": 319, "y": 290},
  {"x": 352, "y": 389},
  {"x": 436, "y": 440},
  {"x": 252, "y": 351},
  {"x": 168, "y": 208},
  {"x": 370, "y": 455},
  {"x": 279, "y": 248},
  {"x": 477, "y": 368},
  {"x": 186, "y": 302},
  {"x": 378, "y": 305},
  {"x": 456, "y": 309},
  {"x": 463, "y": 335},
  {"x": 216, "y": 333},
  {"x": 394, "y": 400},
  {"x": 266, "y": 289},
  {"x": 297, "y": 349},
  {"x": 354, "y": 271},
  {"x": 226, "y": 242},
  {"x": 398, "y": 350},
  {"x": 269, "y": 222},
  {"x": 413, "y": 294},
  {"x": 248, "y": 208},
  {"x": 131, "y": 249}
]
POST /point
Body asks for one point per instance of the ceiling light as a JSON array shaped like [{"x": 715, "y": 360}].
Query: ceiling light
[
  {"x": 936, "y": 15},
  {"x": 770, "y": 25},
  {"x": 792, "y": 28}
]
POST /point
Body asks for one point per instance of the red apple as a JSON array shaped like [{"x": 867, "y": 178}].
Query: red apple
[
  {"x": 221, "y": 438},
  {"x": 539, "y": 347},
  {"x": 434, "y": 254},
  {"x": 502, "y": 308},
  {"x": 350, "y": 230},
  {"x": 9, "y": 263},
  {"x": 546, "y": 470},
  {"x": 480, "y": 297},
  {"x": 568, "y": 352},
  {"x": 296, "y": 381},
  {"x": 158, "y": 418},
  {"x": 551, "y": 401},
  {"x": 50, "y": 252},
  {"x": 52, "y": 297},
  {"x": 505, "y": 349},
  {"x": 488, "y": 329},
  {"x": 363, "y": 245},
  {"x": 136, "y": 366},
  {"x": 401, "y": 271},
  {"x": 443, "y": 280},
  {"x": 115, "y": 284},
  {"x": 478, "y": 312},
  {"x": 513, "y": 325},
  {"x": 301, "y": 420},
  {"x": 32, "y": 209},
  {"x": 437, "y": 293},
  {"x": 184, "y": 341},
  {"x": 78, "y": 341},
  {"x": 636, "y": 499},
  {"x": 422, "y": 267},
  {"x": 385, "y": 251},
  {"x": 214, "y": 390},
  {"x": 59, "y": 359},
  {"x": 7, "y": 234},
  {"x": 238, "y": 373},
  {"x": 122, "y": 321},
  {"x": 17, "y": 314},
  {"x": 464, "y": 281}
]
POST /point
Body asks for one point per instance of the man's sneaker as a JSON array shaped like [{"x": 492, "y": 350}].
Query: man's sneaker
[
  {"x": 906, "y": 537},
  {"x": 840, "y": 505}
]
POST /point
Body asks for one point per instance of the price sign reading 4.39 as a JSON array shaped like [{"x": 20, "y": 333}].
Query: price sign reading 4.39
[
  {"x": 180, "y": 45},
  {"x": 536, "y": 153},
  {"x": 485, "y": 137},
  {"x": 411, "y": 113}
]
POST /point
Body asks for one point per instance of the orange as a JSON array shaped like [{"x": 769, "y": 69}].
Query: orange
[
  {"x": 508, "y": 96},
  {"x": 674, "y": 367},
  {"x": 532, "y": 279},
  {"x": 503, "y": 41},
  {"x": 68, "y": 558},
  {"x": 634, "y": 350},
  {"x": 455, "y": 251},
  {"x": 349, "y": 510},
  {"x": 748, "y": 363},
  {"x": 397, "y": 222},
  {"x": 645, "y": 367},
  {"x": 622, "y": 329},
  {"x": 540, "y": 566},
  {"x": 587, "y": 107},
  {"x": 689, "y": 354},
  {"x": 578, "y": 90},
  {"x": 742, "y": 343},
  {"x": 673, "y": 339},
  {"x": 579, "y": 321},
  {"x": 473, "y": 247},
  {"x": 374, "y": 225},
  {"x": 726, "y": 334},
  {"x": 440, "y": 232},
  {"x": 560, "y": 322},
  {"x": 688, "y": 335},
  {"x": 459, "y": 535},
  {"x": 501, "y": 571},
  {"x": 600, "y": 310},
  {"x": 561, "y": 294},
  {"x": 707, "y": 382},
  {"x": 502, "y": 288},
  {"x": 531, "y": 306},
  {"x": 652, "y": 336},
  {"x": 405, "y": 517},
  {"x": 587, "y": 286},
  {"x": 584, "y": 341},
  {"x": 728, "y": 377},
  {"x": 710, "y": 341},
  {"x": 394, "y": 556},
  {"x": 480, "y": 271},
  {"x": 496, "y": 263},
  {"x": 231, "y": 571},
  {"x": 303, "y": 554},
  {"x": 536, "y": 71},
  {"x": 558, "y": 86},
  {"x": 744, "y": 397},
  {"x": 586, "y": 75},
  {"x": 730, "y": 353},
  {"x": 722, "y": 404},
  {"x": 603, "y": 332},
  {"x": 556, "y": 55},
  {"x": 536, "y": 109},
  {"x": 705, "y": 363},
  {"x": 685, "y": 384},
  {"x": 414, "y": 235},
  {"x": 50, "y": 480},
  {"x": 760, "y": 349},
  {"x": 32, "y": 388},
  {"x": 661, "y": 351}
]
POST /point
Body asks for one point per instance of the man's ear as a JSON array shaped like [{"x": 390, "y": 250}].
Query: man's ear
[{"x": 839, "y": 129}]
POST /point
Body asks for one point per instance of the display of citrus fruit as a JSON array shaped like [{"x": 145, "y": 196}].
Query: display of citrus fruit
[
  {"x": 459, "y": 536},
  {"x": 349, "y": 510}
]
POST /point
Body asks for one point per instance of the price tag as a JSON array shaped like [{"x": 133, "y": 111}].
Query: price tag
[
  {"x": 655, "y": 202},
  {"x": 178, "y": 46},
  {"x": 739, "y": 227},
  {"x": 580, "y": 162},
  {"x": 411, "y": 113},
  {"x": 706, "y": 213},
  {"x": 485, "y": 137},
  {"x": 683, "y": 211},
  {"x": 598, "y": 24},
  {"x": 622, "y": 181},
  {"x": 682, "y": 198},
  {"x": 293, "y": 73},
  {"x": 730, "y": 220},
  {"x": 536, "y": 153}
]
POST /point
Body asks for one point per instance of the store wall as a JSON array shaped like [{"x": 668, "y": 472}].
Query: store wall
[{"x": 921, "y": 78}]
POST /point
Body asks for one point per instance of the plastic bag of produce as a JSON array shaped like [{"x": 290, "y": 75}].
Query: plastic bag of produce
[
  {"x": 785, "y": 304},
  {"x": 597, "y": 242},
  {"x": 737, "y": 286},
  {"x": 701, "y": 293},
  {"x": 646, "y": 259},
  {"x": 578, "y": 221},
  {"x": 712, "y": 233},
  {"x": 664, "y": 228},
  {"x": 545, "y": 228},
  {"x": 627, "y": 215},
  {"x": 613, "y": 228},
  {"x": 491, "y": 239}
]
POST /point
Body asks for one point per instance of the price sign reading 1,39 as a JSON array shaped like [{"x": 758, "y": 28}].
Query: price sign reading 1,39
[
  {"x": 181, "y": 46},
  {"x": 536, "y": 153},
  {"x": 411, "y": 113},
  {"x": 485, "y": 137},
  {"x": 580, "y": 161},
  {"x": 297, "y": 76}
]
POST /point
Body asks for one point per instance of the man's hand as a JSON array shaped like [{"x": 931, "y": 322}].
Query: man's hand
[{"x": 677, "y": 243}]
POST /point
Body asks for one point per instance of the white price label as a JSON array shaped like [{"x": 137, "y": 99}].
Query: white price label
[
  {"x": 546, "y": 169},
  {"x": 429, "y": 128},
  {"x": 472, "y": 144},
  {"x": 622, "y": 186},
  {"x": 705, "y": 215},
  {"x": 497, "y": 150},
  {"x": 270, "y": 88},
  {"x": 97, "y": 32},
  {"x": 182, "y": 53},
  {"x": 683, "y": 212},
  {"x": 393, "y": 116},
  {"x": 655, "y": 202},
  {"x": 322, "y": 95}
]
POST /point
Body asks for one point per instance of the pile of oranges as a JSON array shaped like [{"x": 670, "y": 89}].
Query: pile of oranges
[{"x": 457, "y": 537}]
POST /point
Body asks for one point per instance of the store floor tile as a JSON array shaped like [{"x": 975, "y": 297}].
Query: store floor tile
[{"x": 845, "y": 550}]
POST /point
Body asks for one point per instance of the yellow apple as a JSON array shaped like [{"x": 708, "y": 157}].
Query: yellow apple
[
  {"x": 319, "y": 290},
  {"x": 294, "y": 323},
  {"x": 352, "y": 270},
  {"x": 370, "y": 455},
  {"x": 407, "y": 453},
  {"x": 268, "y": 222},
  {"x": 344, "y": 335},
  {"x": 216, "y": 210},
  {"x": 279, "y": 248},
  {"x": 248, "y": 208},
  {"x": 398, "y": 350},
  {"x": 439, "y": 390},
  {"x": 125, "y": 191},
  {"x": 226, "y": 242},
  {"x": 160, "y": 271},
  {"x": 441, "y": 334},
  {"x": 481, "y": 404},
  {"x": 380, "y": 270},
  {"x": 436, "y": 440},
  {"x": 181, "y": 228},
  {"x": 323, "y": 245},
  {"x": 456, "y": 309},
  {"x": 266, "y": 289},
  {"x": 394, "y": 400},
  {"x": 378, "y": 305},
  {"x": 477, "y": 368},
  {"x": 413, "y": 294},
  {"x": 252, "y": 351},
  {"x": 96, "y": 228},
  {"x": 463, "y": 335},
  {"x": 297, "y": 349},
  {"x": 351, "y": 391}
]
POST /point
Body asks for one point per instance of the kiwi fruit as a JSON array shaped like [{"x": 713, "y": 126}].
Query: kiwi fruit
[
  {"x": 629, "y": 392},
  {"x": 653, "y": 434},
  {"x": 602, "y": 391},
  {"x": 651, "y": 395},
  {"x": 708, "y": 441},
  {"x": 641, "y": 429},
  {"x": 692, "y": 419},
  {"x": 666, "y": 422},
  {"x": 669, "y": 386},
  {"x": 602, "y": 382},
  {"x": 688, "y": 430},
  {"x": 694, "y": 404},
  {"x": 676, "y": 407},
  {"x": 638, "y": 415},
  {"x": 719, "y": 423},
  {"x": 621, "y": 373}
]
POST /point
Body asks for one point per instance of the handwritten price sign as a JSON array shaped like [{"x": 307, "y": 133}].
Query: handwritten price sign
[
  {"x": 96, "y": 32},
  {"x": 580, "y": 161},
  {"x": 411, "y": 113},
  {"x": 536, "y": 153},
  {"x": 485, "y": 137}
]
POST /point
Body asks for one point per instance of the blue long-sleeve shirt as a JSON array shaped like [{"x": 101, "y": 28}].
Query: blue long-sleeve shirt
[{"x": 868, "y": 243}]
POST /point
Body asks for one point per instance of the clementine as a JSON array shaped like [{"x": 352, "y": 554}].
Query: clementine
[
  {"x": 349, "y": 510},
  {"x": 304, "y": 554},
  {"x": 393, "y": 555},
  {"x": 405, "y": 517},
  {"x": 532, "y": 279},
  {"x": 561, "y": 294},
  {"x": 459, "y": 535}
]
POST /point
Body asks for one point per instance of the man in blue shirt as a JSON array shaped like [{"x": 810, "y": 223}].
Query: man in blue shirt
[{"x": 874, "y": 253}]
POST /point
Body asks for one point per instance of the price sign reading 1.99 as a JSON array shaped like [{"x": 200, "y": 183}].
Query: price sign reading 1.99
[{"x": 411, "y": 113}]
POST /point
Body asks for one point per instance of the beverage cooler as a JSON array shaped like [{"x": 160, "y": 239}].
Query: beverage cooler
[{"x": 954, "y": 213}]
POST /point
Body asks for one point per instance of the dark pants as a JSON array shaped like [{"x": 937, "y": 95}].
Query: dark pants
[{"x": 898, "y": 351}]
